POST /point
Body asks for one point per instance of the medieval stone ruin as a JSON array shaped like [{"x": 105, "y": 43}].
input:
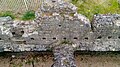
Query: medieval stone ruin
[{"x": 59, "y": 28}]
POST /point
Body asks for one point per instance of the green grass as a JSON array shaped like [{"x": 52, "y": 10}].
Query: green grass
[
  {"x": 29, "y": 15},
  {"x": 92, "y": 7},
  {"x": 7, "y": 13}
]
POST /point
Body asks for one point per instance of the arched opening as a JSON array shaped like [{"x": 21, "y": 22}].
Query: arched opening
[
  {"x": 13, "y": 33},
  {"x": 109, "y": 37},
  {"x": 99, "y": 37},
  {"x": 64, "y": 38},
  {"x": 54, "y": 38},
  {"x": 44, "y": 38},
  {"x": 118, "y": 37},
  {"x": 86, "y": 38},
  {"x": 22, "y": 32},
  {"x": 59, "y": 25},
  {"x": 75, "y": 38},
  {"x": 32, "y": 38}
]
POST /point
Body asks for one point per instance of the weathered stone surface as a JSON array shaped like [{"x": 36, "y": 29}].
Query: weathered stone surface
[
  {"x": 5, "y": 19},
  {"x": 64, "y": 56},
  {"x": 58, "y": 23},
  {"x": 104, "y": 35},
  {"x": 60, "y": 28}
]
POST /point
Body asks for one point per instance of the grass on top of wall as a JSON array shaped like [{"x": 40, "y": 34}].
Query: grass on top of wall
[
  {"x": 28, "y": 15},
  {"x": 7, "y": 13}
]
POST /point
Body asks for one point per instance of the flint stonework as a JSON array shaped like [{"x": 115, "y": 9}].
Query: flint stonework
[{"x": 59, "y": 28}]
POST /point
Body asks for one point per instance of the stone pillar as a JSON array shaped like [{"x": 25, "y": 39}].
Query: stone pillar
[{"x": 64, "y": 56}]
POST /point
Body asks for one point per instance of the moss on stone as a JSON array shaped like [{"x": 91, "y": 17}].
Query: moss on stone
[{"x": 66, "y": 42}]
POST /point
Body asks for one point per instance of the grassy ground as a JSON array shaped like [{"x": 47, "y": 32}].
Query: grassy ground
[{"x": 91, "y": 7}]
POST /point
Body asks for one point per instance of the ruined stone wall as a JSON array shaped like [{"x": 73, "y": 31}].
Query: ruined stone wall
[
  {"x": 105, "y": 33},
  {"x": 59, "y": 23},
  {"x": 59, "y": 28}
]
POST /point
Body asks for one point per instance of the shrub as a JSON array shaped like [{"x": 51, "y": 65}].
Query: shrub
[{"x": 29, "y": 15}]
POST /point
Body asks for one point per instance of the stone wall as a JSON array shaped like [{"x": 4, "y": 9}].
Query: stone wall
[
  {"x": 59, "y": 28},
  {"x": 59, "y": 23}
]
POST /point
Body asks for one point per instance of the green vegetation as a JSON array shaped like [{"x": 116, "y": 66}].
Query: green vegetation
[
  {"x": 66, "y": 42},
  {"x": 92, "y": 7},
  {"x": 29, "y": 15},
  {"x": 85, "y": 7},
  {"x": 7, "y": 13}
]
